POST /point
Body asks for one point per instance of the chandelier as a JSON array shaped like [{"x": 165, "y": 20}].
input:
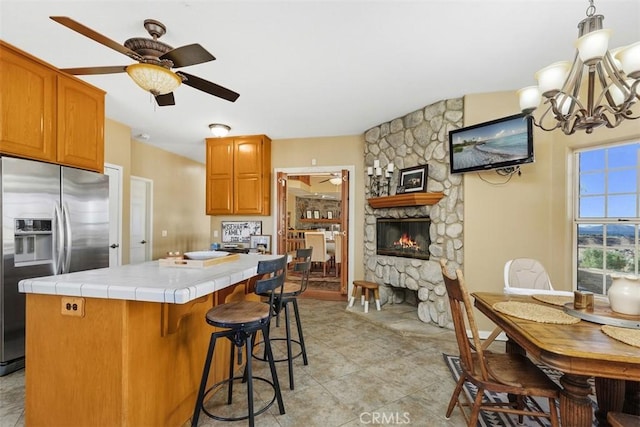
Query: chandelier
[{"x": 612, "y": 83}]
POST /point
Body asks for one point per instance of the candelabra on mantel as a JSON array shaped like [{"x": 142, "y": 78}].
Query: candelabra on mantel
[{"x": 378, "y": 185}]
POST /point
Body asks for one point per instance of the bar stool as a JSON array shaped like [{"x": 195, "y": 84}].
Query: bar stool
[
  {"x": 242, "y": 320},
  {"x": 289, "y": 295}
]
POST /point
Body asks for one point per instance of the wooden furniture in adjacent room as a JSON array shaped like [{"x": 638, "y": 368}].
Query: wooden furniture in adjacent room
[
  {"x": 48, "y": 115},
  {"x": 238, "y": 175},
  {"x": 365, "y": 294},
  {"x": 132, "y": 354},
  {"x": 316, "y": 240},
  {"x": 579, "y": 351},
  {"x": 513, "y": 374}
]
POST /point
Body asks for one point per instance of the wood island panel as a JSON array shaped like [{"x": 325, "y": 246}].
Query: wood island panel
[{"x": 115, "y": 366}]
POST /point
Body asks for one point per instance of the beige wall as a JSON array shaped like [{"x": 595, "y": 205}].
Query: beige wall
[
  {"x": 529, "y": 216},
  {"x": 331, "y": 151},
  {"x": 178, "y": 192}
]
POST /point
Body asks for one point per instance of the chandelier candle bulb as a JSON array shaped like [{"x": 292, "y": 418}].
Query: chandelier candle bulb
[
  {"x": 630, "y": 59},
  {"x": 529, "y": 98},
  {"x": 378, "y": 171},
  {"x": 552, "y": 77},
  {"x": 390, "y": 167},
  {"x": 593, "y": 46},
  {"x": 376, "y": 163},
  {"x": 369, "y": 171}
]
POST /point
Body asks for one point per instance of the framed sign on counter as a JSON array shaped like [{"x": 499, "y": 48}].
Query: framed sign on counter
[{"x": 240, "y": 231}]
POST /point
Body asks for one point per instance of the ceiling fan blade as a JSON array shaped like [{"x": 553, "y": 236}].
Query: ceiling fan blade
[
  {"x": 166, "y": 99},
  {"x": 208, "y": 87},
  {"x": 324, "y": 181},
  {"x": 94, "y": 35},
  {"x": 84, "y": 71},
  {"x": 191, "y": 54}
]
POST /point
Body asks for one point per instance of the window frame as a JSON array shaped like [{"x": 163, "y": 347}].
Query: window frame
[{"x": 603, "y": 221}]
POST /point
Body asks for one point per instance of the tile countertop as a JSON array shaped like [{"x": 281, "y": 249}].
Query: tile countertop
[{"x": 146, "y": 281}]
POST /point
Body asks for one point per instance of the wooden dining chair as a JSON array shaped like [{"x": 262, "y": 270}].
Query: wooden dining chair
[
  {"x": 316, "y": 240},
  {"x": 509, "y": 373}
]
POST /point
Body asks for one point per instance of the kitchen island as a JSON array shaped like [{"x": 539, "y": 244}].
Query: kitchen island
[{"x": 125, "y": 346}]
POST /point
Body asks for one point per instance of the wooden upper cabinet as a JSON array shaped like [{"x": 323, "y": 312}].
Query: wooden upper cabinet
[
  {"x": 27, "y": 107},
  {"x": 48, "y": 115},
  {"x": 239, "y": 175},
  {"x": 80, "y": 135}
]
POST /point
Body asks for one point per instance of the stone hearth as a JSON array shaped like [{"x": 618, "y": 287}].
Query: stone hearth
[{"x": 418, "y": 138}]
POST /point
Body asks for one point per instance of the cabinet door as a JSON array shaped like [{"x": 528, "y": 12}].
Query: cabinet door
[
  {"x": 27, "y": 107},
  {"x": 247, "y": 165},
  {"x": 80, "y": 135},
  {"x": 219, "y": 176}
]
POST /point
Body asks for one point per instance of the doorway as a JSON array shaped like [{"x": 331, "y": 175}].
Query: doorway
[
  {"x": 141, "y": 220},
  {"x": 115, "y": 213},
  {"x": 311, "y": 200}
]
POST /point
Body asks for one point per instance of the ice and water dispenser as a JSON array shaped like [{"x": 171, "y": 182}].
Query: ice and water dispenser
[{"x": 33, "y": 241}]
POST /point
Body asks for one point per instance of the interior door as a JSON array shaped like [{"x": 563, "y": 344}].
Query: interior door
[
  {"x": 282, "y": 212},
  {"x": 344, "y": 230},
  {"x": 140, "y": 220}
]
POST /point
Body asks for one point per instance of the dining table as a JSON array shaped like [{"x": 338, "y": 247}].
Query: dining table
[{"x": 579, "y": 351}]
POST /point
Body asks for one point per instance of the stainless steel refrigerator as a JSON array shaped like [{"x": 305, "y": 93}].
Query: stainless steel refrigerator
[{"x": 55, "y": 220}]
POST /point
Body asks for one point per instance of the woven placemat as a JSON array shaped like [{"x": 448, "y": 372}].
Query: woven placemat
[
  {"x": 626, "y": 335},
  {"x": 559, "y": 300},
  {"x": 535, "y": 312}
]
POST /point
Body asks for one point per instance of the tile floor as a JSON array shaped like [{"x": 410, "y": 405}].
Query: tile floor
[{"x": 385, "y": 366}]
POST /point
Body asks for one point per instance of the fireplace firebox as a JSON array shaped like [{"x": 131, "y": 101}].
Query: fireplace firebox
[{"x": 403, "y": 237}]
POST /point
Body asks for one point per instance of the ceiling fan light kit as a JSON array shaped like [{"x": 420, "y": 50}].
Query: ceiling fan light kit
[
  {"x": 154, "y": 78},
  {"x": 612, "y": 78},
  {"x": 219, "y": 130},
  {"x": 335, "y": 180}
]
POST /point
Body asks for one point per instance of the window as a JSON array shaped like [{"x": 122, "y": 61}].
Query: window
[{"x": 607, "y": 214}]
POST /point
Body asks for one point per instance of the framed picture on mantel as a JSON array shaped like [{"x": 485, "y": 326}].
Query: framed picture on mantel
[{"x": 413, "y": 179}]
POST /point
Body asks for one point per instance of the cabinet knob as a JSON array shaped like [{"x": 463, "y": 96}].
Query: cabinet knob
[
  {"x": 115, "y": 245},
  {"x": 143, "y": 242}
]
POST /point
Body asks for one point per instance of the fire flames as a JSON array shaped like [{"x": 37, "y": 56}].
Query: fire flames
[{"x": 406, "y": 242}]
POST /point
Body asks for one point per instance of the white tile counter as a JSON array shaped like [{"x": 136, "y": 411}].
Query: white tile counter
[{"x": 147, "y": 281}]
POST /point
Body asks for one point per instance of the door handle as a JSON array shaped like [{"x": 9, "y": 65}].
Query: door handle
[
  {"x": 115, "y": 245},
  {"x": 143, "y": 242}
]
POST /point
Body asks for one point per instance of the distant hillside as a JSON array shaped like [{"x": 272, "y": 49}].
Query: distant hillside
[{"x": 627, "y": 230}]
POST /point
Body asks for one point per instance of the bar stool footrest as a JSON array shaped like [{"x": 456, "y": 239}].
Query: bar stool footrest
[
  {"x": 239, "y": 418},
  {"x": 263, "y": 359}
]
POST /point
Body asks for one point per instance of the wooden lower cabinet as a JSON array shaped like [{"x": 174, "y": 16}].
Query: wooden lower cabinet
[{"x": 125, "y": 363}]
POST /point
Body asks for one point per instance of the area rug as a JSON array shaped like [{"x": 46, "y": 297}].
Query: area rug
[
  {"x": 317, "y": 281},
  {"x": 495, "y": 419}
]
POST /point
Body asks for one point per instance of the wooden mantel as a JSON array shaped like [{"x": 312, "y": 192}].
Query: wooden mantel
[{"x": 406, "y": 199}]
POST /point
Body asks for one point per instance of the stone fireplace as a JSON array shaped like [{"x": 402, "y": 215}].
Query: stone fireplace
[
  {"x": 403, "y": 237},
  {"x": 419, "y": 138}
]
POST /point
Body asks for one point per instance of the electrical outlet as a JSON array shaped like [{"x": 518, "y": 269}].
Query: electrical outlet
[
  {"x": 215, "y": 233},
  {"x": 164, "y": 233},
  {"x": 72, "y": 306}
]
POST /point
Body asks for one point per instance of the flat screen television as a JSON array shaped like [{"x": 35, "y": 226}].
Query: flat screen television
[{"x": 497, "y": 144}]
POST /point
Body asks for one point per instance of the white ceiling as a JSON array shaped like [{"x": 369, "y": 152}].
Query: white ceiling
[{"x": 312, "y": 68}]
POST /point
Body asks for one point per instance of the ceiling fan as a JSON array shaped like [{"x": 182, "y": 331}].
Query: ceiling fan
[
  {"x": 335, "y": 179},
  {"x": 156, "y": 59}
]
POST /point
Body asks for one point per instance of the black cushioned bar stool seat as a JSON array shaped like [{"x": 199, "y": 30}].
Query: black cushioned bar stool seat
[{"x": 242, "y": 320}]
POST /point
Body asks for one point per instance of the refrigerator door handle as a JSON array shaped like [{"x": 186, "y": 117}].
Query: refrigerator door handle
[
  {"x": 58, "y": 243},
  {"x": 67, "y": 239}
]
